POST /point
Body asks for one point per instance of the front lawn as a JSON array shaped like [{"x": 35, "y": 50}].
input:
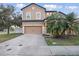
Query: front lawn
[
  {"x": 69, "y": 41},
  {"x": 5, "y": 37}
]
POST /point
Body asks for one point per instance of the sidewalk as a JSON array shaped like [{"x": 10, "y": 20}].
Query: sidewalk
[{"x": 50, "y": 51}]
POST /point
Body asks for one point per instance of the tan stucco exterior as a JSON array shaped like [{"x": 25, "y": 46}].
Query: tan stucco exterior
[
  {"x": 32, "y": 23},
  {"x": 33, "y": 9}
]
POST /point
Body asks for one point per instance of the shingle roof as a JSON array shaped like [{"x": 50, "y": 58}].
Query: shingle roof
[{"x": 43, "y": 8}]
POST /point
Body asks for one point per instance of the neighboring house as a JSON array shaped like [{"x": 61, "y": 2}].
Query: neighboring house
[{"x": 33, "y": 19}]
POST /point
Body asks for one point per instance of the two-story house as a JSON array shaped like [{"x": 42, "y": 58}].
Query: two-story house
[{"x": 33, "y": 19}]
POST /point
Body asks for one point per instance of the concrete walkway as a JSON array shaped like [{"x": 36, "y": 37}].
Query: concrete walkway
[{"x": 34, "y": 45}]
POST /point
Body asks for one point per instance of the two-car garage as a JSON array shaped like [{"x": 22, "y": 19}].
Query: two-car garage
[{"x": 33, "y": 29}]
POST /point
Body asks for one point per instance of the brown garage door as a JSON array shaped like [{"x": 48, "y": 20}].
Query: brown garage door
[{"x": 33, "y": 29}]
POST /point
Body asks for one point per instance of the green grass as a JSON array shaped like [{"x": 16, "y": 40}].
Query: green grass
[
  {"x": 5, "y": 37},
  {"x": 63, "y": 42}
]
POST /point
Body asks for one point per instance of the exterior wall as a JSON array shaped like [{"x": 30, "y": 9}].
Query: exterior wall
[
  {"x": 33, "y": 12},
  {"x": 32, "y": 23},
  {"x": 33, "y": 17}
]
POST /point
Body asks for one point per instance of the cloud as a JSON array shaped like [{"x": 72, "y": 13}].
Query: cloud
[
  {"x": 71, "y": 7},
  {"x": 50, "y": 7},
  {"x": 20, "y": 5}
]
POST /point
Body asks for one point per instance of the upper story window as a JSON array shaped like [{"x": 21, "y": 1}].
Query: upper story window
[
  {"x": 28, "y": 16},
  {"x": 38, "y": 15}
]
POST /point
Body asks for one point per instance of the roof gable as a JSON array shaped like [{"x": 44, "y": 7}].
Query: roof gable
[{"x": 32, "y": 4}]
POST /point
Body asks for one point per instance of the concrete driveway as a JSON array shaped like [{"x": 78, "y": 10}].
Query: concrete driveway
[
  {"x": 34, "y": 45},
  {"x": 14, "y": 46}
]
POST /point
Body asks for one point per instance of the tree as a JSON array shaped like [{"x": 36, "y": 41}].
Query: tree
[
  {"x": 17, "y": 20},
  {"x": 56, "y": 24},
  {"x": 2, "y": 21},
  {"x": 72, "y": 25},
  {"x": 6, "y": 16}
]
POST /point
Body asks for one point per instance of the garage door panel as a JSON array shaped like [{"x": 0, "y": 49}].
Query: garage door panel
[{"x": 33, "y": 29}]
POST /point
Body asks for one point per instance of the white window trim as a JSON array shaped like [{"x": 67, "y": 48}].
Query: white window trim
[
  {"x": 37, "y": 15},
  {"x": 28, "y": 13}
]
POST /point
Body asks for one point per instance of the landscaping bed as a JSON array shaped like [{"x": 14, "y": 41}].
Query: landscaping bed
[
  {"x": 5, "y": 37},
  {"x": 72, "y": 40}
]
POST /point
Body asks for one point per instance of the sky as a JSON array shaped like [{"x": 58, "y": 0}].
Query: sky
[{"x": 63, "y": 7}]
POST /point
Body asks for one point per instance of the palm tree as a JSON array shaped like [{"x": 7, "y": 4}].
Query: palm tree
[
  {"x": 56, "y": 24},
  {"x": 72, "y": 25}
]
